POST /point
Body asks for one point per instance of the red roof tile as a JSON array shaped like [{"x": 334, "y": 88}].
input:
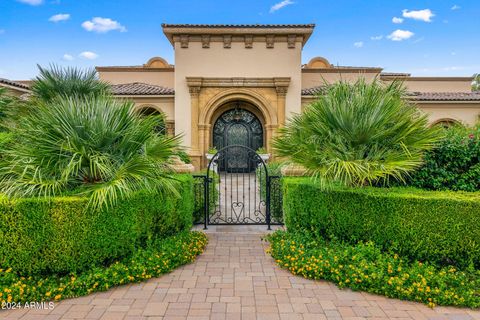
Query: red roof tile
[{"x": 139, "y": 88}]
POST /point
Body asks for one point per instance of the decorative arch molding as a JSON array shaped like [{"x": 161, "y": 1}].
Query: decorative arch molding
[
  {"x": 210, "y": 95},
  {"x": 318, "y": 63},
  {"x": 169, "y": 124},
  {"x": 147, "y": 106},
  {"x": 230, "y": 95},
  {"x": 157, "y": 62},
  {"x": 446, "y": 122}
]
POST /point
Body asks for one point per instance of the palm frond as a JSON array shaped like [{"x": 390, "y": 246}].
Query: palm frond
[{"x": 358, "y": 134}]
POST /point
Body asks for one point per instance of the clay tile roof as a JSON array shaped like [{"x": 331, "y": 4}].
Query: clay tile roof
[
  {"x": 139, "y": 88},
  {"x": 445, "y": 96},
  {"x": 313, "y": 91},
  {"x": 394, "y": 74},
  {"x": 417, "y": 96},
  {"x": 258, "y": 26},
  {"x": 14, "y": 84}
]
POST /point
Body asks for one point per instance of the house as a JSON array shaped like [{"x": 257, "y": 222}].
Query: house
[{"x": 237, "y": 84}]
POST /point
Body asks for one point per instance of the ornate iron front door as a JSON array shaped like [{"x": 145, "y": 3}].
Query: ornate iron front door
[{"x": 237, "y": 127}]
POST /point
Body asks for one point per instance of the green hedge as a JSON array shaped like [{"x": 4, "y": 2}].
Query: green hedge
[
  {"x": 160, "y": 257},
  {"x": 438, "y": 226},
  {"x": 38, "y": 236}
]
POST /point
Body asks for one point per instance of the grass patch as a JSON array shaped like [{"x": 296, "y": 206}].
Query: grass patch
[
  {"x": 162, "y": 256},
  {"x": 365, "y": 267}
]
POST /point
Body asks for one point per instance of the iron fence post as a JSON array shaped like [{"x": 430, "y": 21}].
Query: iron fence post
[
  {"x": 268, "y": 203},
  {"x": 206, "y": 202}
]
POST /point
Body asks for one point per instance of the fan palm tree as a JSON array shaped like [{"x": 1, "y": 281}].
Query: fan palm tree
[
  {"x": 57, "y": 81},
  {"x": 97, "y": 147},
  {"x": 358, "y": 134}
]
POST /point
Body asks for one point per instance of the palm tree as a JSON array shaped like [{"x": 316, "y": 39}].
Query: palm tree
[
  {"x": 97, "y": 147},
  {"x": 65, "y": 82},
  {"x": 358, "y": 134}
]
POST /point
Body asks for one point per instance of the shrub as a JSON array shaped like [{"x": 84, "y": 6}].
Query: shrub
[
  {"x": 364, "y": 266},
  {"x": 441, "y": 227},
  {"x": 454, "y": 163},
  {"x": 358, "y": 134},
  {"x": 161, "y": 257},
  {"x": 57, "y": 82},
  {"x": 98, "y": 147},
  {"x": 6, "y": 138},
  {"x": 183, "y": 156},
  {"x": 199, "y": 190},
  {"x": 274, "y": 169},
  {"x": 58, "y": 236}
]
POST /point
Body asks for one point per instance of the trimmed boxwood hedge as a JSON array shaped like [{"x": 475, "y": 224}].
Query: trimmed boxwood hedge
[
  {"x": 438, "y": 226},
  {"x": 57, "y": 236}
]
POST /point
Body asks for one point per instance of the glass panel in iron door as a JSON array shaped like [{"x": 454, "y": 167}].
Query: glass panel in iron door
[{"x": 237, "y": 158}]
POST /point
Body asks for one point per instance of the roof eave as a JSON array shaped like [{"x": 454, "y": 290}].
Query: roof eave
[{"x": 171, "y": 30}]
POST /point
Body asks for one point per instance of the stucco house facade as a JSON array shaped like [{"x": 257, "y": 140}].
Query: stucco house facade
[{"x": 237, "y": 84}]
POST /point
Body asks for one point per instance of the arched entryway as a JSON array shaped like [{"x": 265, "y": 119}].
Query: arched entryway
[
  {"x": 238, "y": 125},
  {"x": 151, "y": 111}
]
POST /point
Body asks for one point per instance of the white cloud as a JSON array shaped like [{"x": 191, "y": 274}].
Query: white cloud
[
  {"x": 456, "y": 7},
  {"x": 89, "y": 55},
  {"x": 280, "y": 5},
  {"x": 376, "y": 38},
  {"x": 59, "y": 17},
  {"x": 358, "y": 44},
  {"x": 397, "y": 20},
  {"x": 102, "y": 25},
  {"x": 399, "y": 35},
  {"x": 31, "y": 2},
  {"x": 423, "y": 15},
  {"x": 68, "y": 57}
]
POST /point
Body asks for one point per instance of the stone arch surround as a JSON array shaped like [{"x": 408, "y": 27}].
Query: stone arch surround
[
  {"x": 210, "y": 97},
  {"x": 225, "y": 100}
]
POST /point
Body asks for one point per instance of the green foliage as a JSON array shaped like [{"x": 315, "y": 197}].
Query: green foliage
[
  {"x": 160, "y": 257},
  {"x": 6, "y": 138},
  {"x": 274, "y": 169},
  {"x": 51, "y": 236},
  {"x": 262, "y": 150},
  {"x": 366, "y": 267},
  {"x": 57, "y": 81},
  {"x": 476, "y": 82},
  {"x": 437, "y": 226},
  {"x": 98, "y": 147},
  {"x": 183, "y": 156},
  {"x": 454, "y": 163},
  {"x": 358, "y": 134},
  {"x": 7, "y": 102},
  {"x": 199, "y": 190},
  {"x": 212, "y": 150}
]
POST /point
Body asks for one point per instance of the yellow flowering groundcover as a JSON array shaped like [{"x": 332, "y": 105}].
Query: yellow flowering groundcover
[
  {"x": 162, "y": 256},
  {"x": 366, "y": 267}
]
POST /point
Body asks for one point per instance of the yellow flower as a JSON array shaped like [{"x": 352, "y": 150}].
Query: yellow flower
[{"x": 58, "y": 296}]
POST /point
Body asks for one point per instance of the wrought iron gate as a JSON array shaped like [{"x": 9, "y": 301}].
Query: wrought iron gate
[{"x": 238, "y": 190}]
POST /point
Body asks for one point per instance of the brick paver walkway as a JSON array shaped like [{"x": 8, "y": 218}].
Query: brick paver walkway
[{"x": 235, "y": 279}]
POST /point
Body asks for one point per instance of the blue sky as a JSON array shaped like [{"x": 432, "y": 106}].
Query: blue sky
[{"x": 427, "y": 37}]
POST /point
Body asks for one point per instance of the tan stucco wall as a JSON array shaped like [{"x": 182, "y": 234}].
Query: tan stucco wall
[
  {"x": 159, "y": 78},
  {"x": 314, "y": 79},
  {"x": 466, "y": 113},
  {"x": 439, "y": 84},
  {"x": 237, "y": 61},
  {"x": 13, "y": 90},
  {"x": 161, "y": 104}
]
